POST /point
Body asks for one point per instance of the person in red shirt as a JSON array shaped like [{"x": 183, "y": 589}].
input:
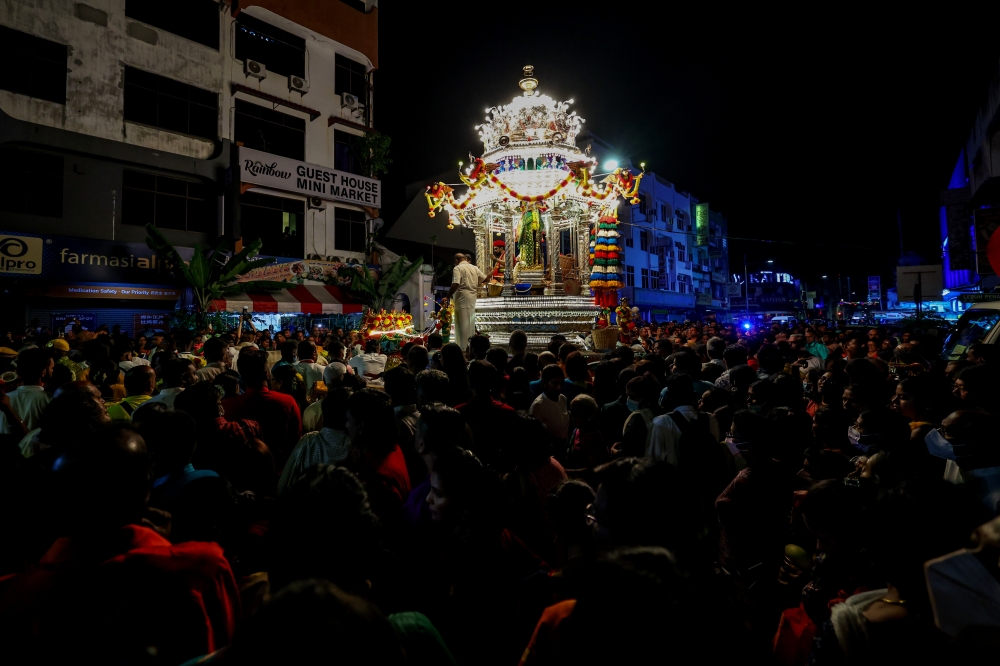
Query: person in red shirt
[
  {"x": 489, "y": 419},
  {"x": 112, "y": 585},
  {"x": 278, "y": 414}
]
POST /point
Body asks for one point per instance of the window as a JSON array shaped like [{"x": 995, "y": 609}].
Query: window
[
  {"x": 642, "y": 203},
  {"x": 349, "y": 77},
  {"x": 270, "y": 131},
  {"x": 630, "y": 276},
  {"x": 33, "y": 66},
  {"x": 348, "y": 230},
  {"x": 168, "y": 203},
  {"x": 664, "y": 214},
  {"x": 644, "y": 240},
  {"x": 645, "y": 278},
  {"x": 654, "y": 279},
  {"x": 197, "y": 20},
  {"x": 154, "y": 100},
  {"x": 281, "y": 52},
  {"x": 31, "y": 183},
  {"x": 343, "y": 158},
  {"x": 628, "y": 237},
  {"x": 276, "y": 221},
  {"x": 974, "y": 327}
]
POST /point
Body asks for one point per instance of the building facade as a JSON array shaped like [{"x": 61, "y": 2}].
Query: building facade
[
  {"x": 213, "y": 121},
  {"x": 970, "y": 210},
  {"x": 676, "y": 253}
]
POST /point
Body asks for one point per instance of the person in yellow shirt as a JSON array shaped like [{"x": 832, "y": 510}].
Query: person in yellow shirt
[{"x": 139, "y": 384}]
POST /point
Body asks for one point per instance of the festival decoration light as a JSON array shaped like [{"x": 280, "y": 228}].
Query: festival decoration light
[{"x": 531, "y": 182}]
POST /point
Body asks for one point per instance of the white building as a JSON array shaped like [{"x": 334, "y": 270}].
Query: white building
[
  {"x": 121, "y": 113},
  {"x": 668, "y": 273}
]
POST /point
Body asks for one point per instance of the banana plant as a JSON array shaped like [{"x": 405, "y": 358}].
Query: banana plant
[
  {"x": 211, "y": 276},
  {"x": 379, "y": 294}
]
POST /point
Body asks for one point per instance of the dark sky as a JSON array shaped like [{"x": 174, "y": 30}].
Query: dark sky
[{"x": 811, "y": 130}]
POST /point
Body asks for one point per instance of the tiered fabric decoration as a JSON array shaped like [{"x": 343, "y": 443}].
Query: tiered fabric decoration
[{"x": 606, "y": 259}]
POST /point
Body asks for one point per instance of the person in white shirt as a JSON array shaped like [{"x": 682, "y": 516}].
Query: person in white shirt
[
  {"x": 312, "y": 417},
  {"x": 307, "y": 366},
  {"x": 371, "y": 364},
  {"x": 805, "y": 361},
  {"x": 217, "y": 357},
  {"x": 327, "y": 446},
  {"x": 551, "y": 406},
  {"x": 28, "y": 400},
  {"x": 679, "y": 400},
  {"x": 178, "y": 374},
  {"x": 465, "y": 281}
]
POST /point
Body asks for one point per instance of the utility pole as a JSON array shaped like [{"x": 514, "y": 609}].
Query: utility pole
[
  {"x": 899, "y": 226},
  {"x": 746, "y": 285}
]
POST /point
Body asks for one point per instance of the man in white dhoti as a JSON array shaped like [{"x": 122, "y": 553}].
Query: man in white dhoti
[{"x": 465, "y": 281}]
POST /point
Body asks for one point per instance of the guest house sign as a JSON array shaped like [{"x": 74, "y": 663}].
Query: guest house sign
[{"x": 282, "y": 173}]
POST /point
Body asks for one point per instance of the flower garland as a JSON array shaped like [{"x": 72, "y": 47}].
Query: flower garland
[
  {"x": 605, "y": 259},
  {"x": 621, "y": 181},
  {"x": 385, "y": 320},
  {"x": 443, "y": 319}
]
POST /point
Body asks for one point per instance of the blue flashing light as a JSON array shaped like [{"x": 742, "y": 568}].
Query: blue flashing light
[{"x": 746, "y": 326}]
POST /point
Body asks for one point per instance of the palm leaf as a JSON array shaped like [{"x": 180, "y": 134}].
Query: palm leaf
[
  {"x": 165, "y": 250},
  {"x": 237, "y": 264},
  {"x": 199, "y": 268}
]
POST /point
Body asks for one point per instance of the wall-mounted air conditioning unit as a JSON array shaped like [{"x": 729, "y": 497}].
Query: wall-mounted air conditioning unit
[
  {"x": 255, "y": 69},
  {"x": 298, "y": 84},
  {"x": 349, "y": 101},
  {"x": 315, "y": 203}
]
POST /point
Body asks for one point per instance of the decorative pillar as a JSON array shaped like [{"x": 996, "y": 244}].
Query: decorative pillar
[
  {"x": 508, "y": 281},
  {"x": 481, "y": 259},
  {"x": 583, "y": 254},
  {"x": 555, "y": 287}
]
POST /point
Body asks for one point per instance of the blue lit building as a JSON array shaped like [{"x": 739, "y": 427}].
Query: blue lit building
[{"x": 970, "y": 208}]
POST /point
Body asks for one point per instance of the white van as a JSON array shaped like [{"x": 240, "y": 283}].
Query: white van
[
  {"x": 977, "y": 324},
  {"x": 784, "y": 320}
]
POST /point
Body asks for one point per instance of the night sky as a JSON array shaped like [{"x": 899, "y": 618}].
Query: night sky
[{"x": 809, "y": 130}]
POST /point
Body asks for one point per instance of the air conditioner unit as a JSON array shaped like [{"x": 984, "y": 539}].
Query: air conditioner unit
[
  {"x": 315, "y": 203},
  {"x": 255, "y": 69},
  {"x": 298, "y": 84},
  {"x": 348, "y": 100}
]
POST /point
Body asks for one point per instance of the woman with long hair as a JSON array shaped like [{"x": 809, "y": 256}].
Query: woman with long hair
[{"x": 454, "y": 365}]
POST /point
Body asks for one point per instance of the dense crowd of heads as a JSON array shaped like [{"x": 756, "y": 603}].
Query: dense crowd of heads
[{"x": 800, "y": 495}]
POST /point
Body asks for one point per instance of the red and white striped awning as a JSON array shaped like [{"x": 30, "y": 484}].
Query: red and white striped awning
[{"x": 311, "y": 299}]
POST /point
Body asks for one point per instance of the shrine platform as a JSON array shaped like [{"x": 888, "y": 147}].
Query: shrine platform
[{"x": 540, "y": 317}]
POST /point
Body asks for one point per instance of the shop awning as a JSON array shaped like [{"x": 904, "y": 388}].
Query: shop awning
[{"x": 315, "y": 300}]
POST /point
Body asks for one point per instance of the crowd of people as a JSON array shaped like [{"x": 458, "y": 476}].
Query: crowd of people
[{"x": 804, "y": 495}]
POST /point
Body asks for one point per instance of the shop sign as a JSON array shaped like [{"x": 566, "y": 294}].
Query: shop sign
[
  {"x": 84, "y": 259},
  {"x": 305, "y": 272},
  {"x": 311, "y": 180},
  {"x": 151, "y": 321},
  {"x": 87, "y": 321},
  {"x": 20, "y": 255},
  {"x": 978, "y": 298},
  {"x": 116, "y": 291},
  {"x": 703, "y": 299},
  {"x": 701, "y": 224}
]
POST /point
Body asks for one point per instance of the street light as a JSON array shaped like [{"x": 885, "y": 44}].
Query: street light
[
  {"x": 770, "y": 261},
  {"x": 611, "y": 165}
]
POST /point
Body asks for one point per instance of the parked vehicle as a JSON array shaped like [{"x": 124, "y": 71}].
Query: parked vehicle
[{"x": 977, "y": 324}]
